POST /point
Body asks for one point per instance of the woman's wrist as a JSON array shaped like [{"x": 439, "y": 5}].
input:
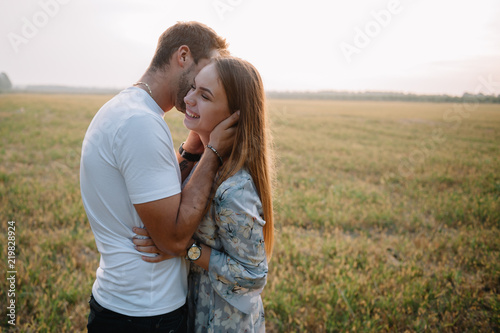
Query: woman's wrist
[
  {"x": 204, "y": 260},
  {"x": 216, "y": 153}
]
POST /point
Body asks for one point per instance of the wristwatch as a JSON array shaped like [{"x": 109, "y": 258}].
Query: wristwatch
[
  {"x": 188, "y": 156},
  {"x": 194, "y": 252}
]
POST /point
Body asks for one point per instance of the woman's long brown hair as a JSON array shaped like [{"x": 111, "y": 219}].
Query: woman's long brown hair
[{"x": 252, "y": 146}]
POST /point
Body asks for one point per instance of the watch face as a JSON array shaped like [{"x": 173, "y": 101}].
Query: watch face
[{"x": 194, "y": 253}]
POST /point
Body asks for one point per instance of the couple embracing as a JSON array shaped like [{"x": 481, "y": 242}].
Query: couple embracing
[{"x": 184, "y": 235}]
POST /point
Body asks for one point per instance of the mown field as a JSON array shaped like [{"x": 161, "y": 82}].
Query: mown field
[{"x": 387, "y": 215}]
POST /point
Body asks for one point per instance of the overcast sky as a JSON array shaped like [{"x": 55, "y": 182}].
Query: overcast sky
[{"x": 420, "y": 46}]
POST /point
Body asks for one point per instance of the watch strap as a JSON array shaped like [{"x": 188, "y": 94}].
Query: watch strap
[{"x": 188, "y": 156}]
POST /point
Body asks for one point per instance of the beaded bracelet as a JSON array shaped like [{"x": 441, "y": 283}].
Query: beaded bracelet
[{"x": 216, "y": 153}]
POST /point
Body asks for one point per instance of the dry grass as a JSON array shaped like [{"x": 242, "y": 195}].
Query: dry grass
[{"x": 387, "y": 215}]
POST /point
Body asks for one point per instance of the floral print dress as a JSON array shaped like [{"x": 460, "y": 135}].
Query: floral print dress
[{"x": 226, "y": 298}]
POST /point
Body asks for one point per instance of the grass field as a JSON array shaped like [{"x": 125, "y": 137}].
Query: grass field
[{"x": 387, "y": 213}]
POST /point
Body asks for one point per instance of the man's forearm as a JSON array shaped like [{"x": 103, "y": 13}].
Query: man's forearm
[
  {"x": 172, "y": 221},
  {"x": 185, "y": 166},
  {"x": 192, "y": 148},
  {"x": 195, "y": 196}
]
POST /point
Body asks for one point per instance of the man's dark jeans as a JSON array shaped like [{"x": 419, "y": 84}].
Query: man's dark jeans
[{"x": 104, "y": 320}]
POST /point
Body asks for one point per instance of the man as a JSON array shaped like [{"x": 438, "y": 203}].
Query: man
[{"x": 130, "y": 177}]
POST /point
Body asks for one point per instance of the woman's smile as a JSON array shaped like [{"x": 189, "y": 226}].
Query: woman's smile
[{"x": 190, "y": 114}]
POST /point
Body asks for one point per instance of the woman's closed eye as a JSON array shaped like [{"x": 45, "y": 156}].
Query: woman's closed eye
[{"x": 193, "y": 87}]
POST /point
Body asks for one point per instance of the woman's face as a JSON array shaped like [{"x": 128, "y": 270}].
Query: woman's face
[{"x": 206, "y": 102}]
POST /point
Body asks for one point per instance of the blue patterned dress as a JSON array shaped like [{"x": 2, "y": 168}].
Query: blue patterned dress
[{"x": 226, "y": 298}]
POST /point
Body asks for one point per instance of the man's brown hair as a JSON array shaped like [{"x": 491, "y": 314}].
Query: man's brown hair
[{"x": 200, "y": 39}]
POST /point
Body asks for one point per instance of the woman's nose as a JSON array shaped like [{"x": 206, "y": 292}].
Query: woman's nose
[{"x": 188, "y": 98}]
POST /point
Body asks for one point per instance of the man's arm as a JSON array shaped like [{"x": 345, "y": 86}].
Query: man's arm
[
  {"x": 192, "y": 145},
  {"x": 172, "y": 221}
]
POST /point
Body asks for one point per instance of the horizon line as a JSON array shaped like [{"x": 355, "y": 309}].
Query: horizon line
[{"x": 54, "y": 87}]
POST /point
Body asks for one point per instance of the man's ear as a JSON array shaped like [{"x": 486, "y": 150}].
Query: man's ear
[{"x": 183, "y": 56}]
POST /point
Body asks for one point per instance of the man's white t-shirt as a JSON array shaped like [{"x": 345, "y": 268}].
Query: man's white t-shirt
[{"x": 128, "y": 158}]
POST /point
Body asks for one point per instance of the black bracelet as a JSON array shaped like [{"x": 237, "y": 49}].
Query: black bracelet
[{"x": 188, "y": 156}]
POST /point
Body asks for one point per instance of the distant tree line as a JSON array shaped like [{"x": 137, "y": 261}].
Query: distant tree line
[
  {"x": 384, "y": 96},
  {"x": 5, "y": 84},
  {"x": 52, "y": 89}
]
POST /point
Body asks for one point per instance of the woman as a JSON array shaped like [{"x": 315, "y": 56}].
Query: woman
[{"x": 236, "y": 234}]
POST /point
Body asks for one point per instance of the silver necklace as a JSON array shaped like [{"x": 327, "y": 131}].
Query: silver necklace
[{"x": 147, "y": 86}]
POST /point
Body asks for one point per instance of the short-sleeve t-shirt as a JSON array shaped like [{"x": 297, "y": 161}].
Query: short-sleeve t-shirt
[{"x": 128, "y": 158}]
